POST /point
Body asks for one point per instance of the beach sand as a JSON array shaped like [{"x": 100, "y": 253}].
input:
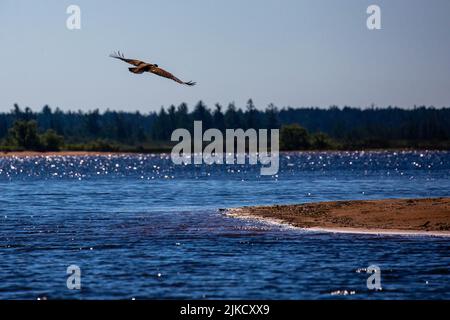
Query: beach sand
[
  {"x": 391, "y": 216},
  {"x": 58, "y": 153}
]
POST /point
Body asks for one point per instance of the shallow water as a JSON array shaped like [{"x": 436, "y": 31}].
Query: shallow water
[{"x": 138, "y": 226}]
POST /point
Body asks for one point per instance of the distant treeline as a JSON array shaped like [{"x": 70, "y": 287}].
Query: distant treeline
[{"x": 301, "y": 128}]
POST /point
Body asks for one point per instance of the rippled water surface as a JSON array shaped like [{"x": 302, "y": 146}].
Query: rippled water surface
[{"x": 138, "y": 226}]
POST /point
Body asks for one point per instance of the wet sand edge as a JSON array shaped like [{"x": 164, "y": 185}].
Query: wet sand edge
[{"x": 412, "y": 217}]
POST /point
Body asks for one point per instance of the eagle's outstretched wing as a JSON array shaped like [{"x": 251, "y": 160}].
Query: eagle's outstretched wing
[
  {"x": 119, "y": 55},
  {"x": 163, "y": 73}
]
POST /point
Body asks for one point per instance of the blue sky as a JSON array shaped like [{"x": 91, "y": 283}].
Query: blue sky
[{"x": 292, "y": 53}]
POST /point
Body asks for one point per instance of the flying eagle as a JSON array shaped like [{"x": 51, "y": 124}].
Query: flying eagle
[{"x": 141, "y": 66}]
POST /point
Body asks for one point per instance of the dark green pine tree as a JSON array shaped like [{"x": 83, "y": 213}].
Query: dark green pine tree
[{"x": 218, "y": 118}]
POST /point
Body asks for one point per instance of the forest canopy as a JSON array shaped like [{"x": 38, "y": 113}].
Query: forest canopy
[{"x": 309, "y": 128}]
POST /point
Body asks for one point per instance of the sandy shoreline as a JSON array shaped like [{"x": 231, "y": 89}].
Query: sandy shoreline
[
  {"x": 22, "y": 154},
  {"x": 157, "y": 151},
  {"x": 389, "y": 217}
]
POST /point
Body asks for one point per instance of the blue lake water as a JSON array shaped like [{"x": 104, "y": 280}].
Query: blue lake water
[{"x": 140, "y": 227}]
